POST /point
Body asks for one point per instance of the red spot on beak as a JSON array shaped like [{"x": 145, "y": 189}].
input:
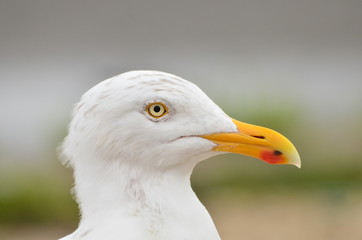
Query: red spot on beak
[{"x": 273, "y": 157}]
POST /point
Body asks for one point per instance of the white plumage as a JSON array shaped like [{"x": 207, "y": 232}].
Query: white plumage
[{"x": 132, "y": 169}]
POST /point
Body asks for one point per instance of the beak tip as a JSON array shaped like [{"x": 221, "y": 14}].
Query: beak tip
[
  {"x": 296, "y": 161},
  {"x": 298, "y": 165}
]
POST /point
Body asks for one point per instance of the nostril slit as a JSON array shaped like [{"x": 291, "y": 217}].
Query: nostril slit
[{"x": 257, "y": 136}]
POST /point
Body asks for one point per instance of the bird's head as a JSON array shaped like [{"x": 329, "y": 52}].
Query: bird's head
[{"x": 158, "y": 120}]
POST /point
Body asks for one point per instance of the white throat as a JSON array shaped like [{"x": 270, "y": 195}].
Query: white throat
[{"x": 119, "y": 202}]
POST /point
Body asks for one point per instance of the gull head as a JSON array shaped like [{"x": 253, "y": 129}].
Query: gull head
[
  {"x": 155, "y": 120},
  {"x": 133, "y": 142}
]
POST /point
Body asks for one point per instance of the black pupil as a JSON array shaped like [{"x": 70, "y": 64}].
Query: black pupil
[{"x": 157, "y": 109}]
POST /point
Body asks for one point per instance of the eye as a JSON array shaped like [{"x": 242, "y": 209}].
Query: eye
[{"x": 157, "y": 109}]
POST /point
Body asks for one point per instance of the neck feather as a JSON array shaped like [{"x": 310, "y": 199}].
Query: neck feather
[{"x": 146, "y": 199}]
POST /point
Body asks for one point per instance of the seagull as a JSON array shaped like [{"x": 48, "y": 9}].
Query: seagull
[{"x": 133, "y": 142}]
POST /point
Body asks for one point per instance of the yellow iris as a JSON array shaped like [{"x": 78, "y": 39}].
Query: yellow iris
[{"x": 157, "y": 109}]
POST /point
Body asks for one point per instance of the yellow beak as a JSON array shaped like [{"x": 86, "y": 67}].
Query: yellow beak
[{"x": 259, "y": 142}]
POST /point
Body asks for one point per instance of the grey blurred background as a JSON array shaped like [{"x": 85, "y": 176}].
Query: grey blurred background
[{"x": 295, "y": 66}]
